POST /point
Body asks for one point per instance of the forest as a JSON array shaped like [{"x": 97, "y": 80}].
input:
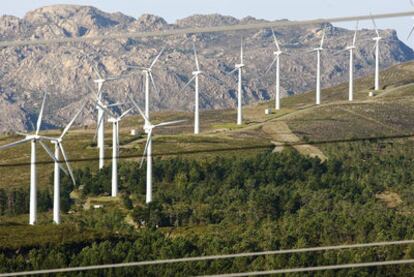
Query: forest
[{"x": 237, "y": 204}]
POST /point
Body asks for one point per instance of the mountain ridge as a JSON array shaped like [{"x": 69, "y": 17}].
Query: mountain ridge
[{"x": 64, "y": 70}]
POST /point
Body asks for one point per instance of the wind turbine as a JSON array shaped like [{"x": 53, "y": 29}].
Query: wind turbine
[
  {"x": 100, "y": 81},
  {"x": 149, "y": 127},
  {"x": 239, "y": 67},
  {"x": 276, "y": 60},
  {"x": 377, "y": 41},
  {"x": 33, "y": 139},
  {"x": 351, "y": 49},
  {"x": 59, "y": 149},
  {"x": 196, "y": 79},
  {"x": 115, "y": 120},
  {"x": 147, "y": 71},
  {"x": 318, "y": 68}
]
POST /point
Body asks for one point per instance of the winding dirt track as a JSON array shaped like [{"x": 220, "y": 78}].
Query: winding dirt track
[{"x": 281, "y": 134}]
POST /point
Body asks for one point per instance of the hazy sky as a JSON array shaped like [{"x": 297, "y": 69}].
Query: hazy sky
[{"x": 267, "y": 9}]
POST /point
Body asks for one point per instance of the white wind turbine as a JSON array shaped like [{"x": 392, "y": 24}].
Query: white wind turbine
[
  {"x": 195, "y": 78},
  {"x": 318, "y": 68},
  {"x": 100, "y": 81},
  {"x": 59, "y": 149},
  {"x": 147, "y": 71},
  {"x": 377, "y": 41},
  {"x": 276, "y": 60},
  {"x": 115, "y": 120},
  {"x": 351, "y": 50},
  {"x": 239, "y": 67},
  {"x": 33, "y": 139},
  {"x": 148, "y": 127}
]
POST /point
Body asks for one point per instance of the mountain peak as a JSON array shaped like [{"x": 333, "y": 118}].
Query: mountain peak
[
  {"x": 207, "y": 20},
  {"x": 148, "y": 22},
  {"x": 88, "y": 16}
]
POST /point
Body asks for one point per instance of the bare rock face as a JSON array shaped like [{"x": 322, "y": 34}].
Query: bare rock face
[
  {"x": 65, "y": 70},
  {"x": 207, "y": 21}
]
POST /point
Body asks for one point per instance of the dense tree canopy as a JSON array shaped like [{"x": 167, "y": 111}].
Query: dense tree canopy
[{"x": 239, "y": 204}]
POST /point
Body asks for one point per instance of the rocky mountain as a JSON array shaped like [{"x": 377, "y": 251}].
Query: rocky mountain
[{"x": 65, "y": 70}]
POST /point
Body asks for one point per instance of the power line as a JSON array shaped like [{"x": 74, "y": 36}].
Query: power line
[
  {"x": 178, "y": 32},
  {"x": 214, "y": 257},
  {"x": 224, "y": 149},
  {"x": 315, "y": 268}
]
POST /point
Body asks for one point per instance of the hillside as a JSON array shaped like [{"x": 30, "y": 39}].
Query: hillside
[
  {"x": 65, "y": 70},
  {"x": 268, "y": 194},
  {"x": 299, "y": 123}
]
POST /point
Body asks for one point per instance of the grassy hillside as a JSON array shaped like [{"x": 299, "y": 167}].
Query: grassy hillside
[{"x": 387, "y": 114}]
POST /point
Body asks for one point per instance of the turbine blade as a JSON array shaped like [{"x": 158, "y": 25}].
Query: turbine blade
[
  {"x": 115, "y": 104},
  {"x": 39, "y": 119},
  {"x": 156, "y": 58},
  {"x": 146, "y": 147},
  {"x": 93, "y": 90},
  {"x": 358, "y": 55},
  {"x": 21, "y": 134},
  {"x": 169, "y": 123},
  {"x": 375, "y": 25},
  {"x": 125, "y": 113},
  {"x": 231, "y": 72},
  {"x": 270, "y": 66},
  {"x": 135, "y": 67},
  {"x": 355, "y": 34},
  {"x": 275, "y": 40},
  {"x": 241, "y": 51},
  {"x": 14, "y": 144},
  {"x": 65, "y": 157},
  {"x": 188, "y": 83},
  {"x": 375, "y": 45},
  {"x": 138, "y": 108},
  {"x": 153, "y": 83},
  {"x": 72, "y": 121},
  {"x": 105, "y": 109},
  {"x": 95, "y": 68},
  {"x": 117, "y": 139},
  {"x": 411, "y": 33},
  {"x": 51, "y": 155},
  {"x": 196, "y": 58},
  {"x": 323, "y": 38},
  {"x": 340, "y": 51}
]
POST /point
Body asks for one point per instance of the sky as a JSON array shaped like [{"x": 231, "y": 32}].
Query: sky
[{"x": 172, "y": 10}]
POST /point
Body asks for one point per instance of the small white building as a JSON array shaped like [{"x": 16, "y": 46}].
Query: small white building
[
  {"x": 134, "y": 132},
  {"x": 268, "y": 111}
]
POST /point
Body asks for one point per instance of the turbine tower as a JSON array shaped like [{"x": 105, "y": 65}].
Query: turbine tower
[
  {"x": 239, "y": 67},
  {"x": 351, "y": 49},
  {"x": 100, "y": 81},
  {"x": 147, "y": 71},
  {"x": 57, "y": 167},
  {"x": 33, "y": 139},
  {"x": 149, "y": 127},
  {"x": 377, "y": 41},
  {"x": 276, "y": 60},
  {"x": 115, "y": 120},
  {"x": 195, "y": 78},
  {"x": 318, "y": 69}
]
